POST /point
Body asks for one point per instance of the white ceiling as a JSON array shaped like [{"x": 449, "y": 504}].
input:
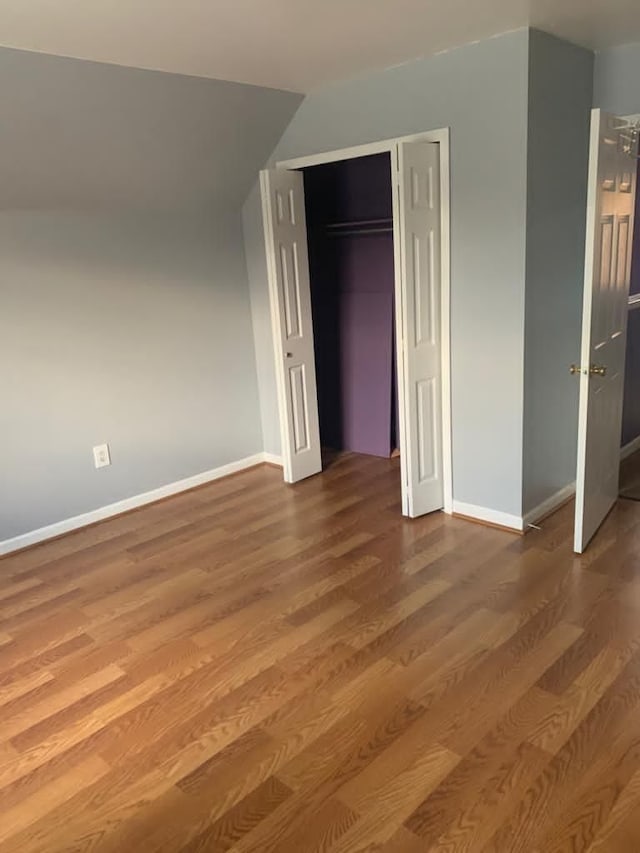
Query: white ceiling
[{"x": 294, "y": 44}]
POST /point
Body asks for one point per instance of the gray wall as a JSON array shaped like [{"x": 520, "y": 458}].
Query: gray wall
[
  {"x": 560, "y": 94},
  {"x": 260, "y": 314},
  {"x": 84, "y": 135},
  {"x": 480, "y": 92},
  {"x": 124, "y": 303},
  {"x": 616, "y": 84}
]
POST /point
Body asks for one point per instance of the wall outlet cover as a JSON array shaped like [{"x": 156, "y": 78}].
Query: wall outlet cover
[{"x": 101, "y": 456}]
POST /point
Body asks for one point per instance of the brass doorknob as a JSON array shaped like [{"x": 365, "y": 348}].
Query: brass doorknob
[
  {"x": 597, "y": 370},
  {"x": 575, "y": 369}
]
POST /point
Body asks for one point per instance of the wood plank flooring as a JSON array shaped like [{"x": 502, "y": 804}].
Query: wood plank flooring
[{"x": 271, "y": 669}]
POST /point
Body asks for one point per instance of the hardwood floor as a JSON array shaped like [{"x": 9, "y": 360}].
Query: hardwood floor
[{"x": 261, "y": 668}]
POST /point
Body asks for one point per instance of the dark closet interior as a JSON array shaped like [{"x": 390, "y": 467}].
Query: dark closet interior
[{"x": 350, "y": 232}]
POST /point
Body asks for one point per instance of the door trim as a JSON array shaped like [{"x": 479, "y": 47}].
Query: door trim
[{"x": 442, "y": 137}]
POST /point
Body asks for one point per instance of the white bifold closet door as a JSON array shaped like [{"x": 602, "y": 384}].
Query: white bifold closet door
[
  {"x": 417, "y": 248},
  {"x": 418, "y": 315},
  {"x": 292, "y": 322}
]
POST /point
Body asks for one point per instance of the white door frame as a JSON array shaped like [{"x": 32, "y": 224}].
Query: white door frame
[{"x": 389, "y": 146}]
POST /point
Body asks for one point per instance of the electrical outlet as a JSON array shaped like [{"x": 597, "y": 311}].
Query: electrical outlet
[{"x": 101, "y": 456}]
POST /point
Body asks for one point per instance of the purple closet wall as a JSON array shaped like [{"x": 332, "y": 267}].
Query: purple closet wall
[
  {"x": 352, "y": 281},
  {"x": 631, "y": 408},
  {"x": 366, "y": 337}
]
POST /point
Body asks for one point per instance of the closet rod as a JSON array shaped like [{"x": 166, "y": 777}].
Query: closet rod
[
  {"x": 360, "y": 226},
  {"x": 359, "y": 222},
  {"x": 352, "y": 231}
]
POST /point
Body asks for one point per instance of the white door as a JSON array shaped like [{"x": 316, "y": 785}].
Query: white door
[
  {"x": 290, "y": 296},
  {"x": 610, "y": 204},
  {"x": 418, "y": 296}
]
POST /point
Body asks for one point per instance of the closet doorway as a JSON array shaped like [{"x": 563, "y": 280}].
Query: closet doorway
[
  {"x": 349, "y": 212},
  {"x": 357, "y": 248}
]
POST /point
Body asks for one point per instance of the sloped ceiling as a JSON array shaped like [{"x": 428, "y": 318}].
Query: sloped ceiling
[{"x": 79, "y": 134}]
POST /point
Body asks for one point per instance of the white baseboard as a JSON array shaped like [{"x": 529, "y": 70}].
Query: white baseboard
[
  {"x": 272, "y": 459},
  {"x": 547, "y": 506},
  {"x": 69, "y": 524},
  {"x": 491, "y": 516},
  {"x": 630, "y": 448}
]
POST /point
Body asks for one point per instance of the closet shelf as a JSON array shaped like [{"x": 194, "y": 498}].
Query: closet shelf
[{"x": 360, "y": 226}]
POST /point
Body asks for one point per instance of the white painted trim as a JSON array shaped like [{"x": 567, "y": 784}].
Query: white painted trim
[
  {"x": 630, "y": 448},
  {"x": 549, "y": 505},
  {"x": 445, "y": 315},
  {"x": 272, "y": 459},
  {"x": 334, "y": 156},
  {"x": 364, "y": 150},
  {"x": 104, "y": 512},
  {"x": 442, "y": 137},
  {"x": 516, "y": 522},
  {"x": 493, "y": 516}
]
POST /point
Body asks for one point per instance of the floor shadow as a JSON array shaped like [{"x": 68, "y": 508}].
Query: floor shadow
[
  {"x": 630, "y": 477},
  {"x": 330, "y": 457}
]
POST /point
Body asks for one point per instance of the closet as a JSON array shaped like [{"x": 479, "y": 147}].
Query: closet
[{"x": 351, "y": 260}]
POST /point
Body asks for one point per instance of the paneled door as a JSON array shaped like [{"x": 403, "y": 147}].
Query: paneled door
[
  {"x": 290, "y": 297},
  {"x": 418, "y": 295},
  {"x": 610, "y": 206}
]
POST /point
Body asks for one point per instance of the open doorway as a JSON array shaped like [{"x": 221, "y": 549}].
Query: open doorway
[
  {"x": 349, "y": 211},
  {"x": 630, "y": 453},
  {"x": 418, "y": 176}
]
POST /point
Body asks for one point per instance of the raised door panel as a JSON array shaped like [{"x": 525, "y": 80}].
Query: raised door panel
[
  {"x": 420, "y": 377},
  {"x": 288, "y": 271}
]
